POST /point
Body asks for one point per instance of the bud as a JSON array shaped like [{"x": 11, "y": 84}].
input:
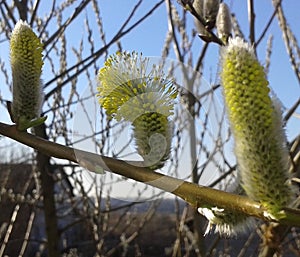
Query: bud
[
  {"x": 256, "y": 124},
  {"x": 223, "y": 23},
  {"x": 198, "y": 6},
  {"x": 26, "y": 64},
  {"x": 210, "y": 12},
  {"x": 129, "y": 91}
]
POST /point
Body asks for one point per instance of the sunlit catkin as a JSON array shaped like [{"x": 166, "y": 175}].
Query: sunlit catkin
[
  {"x": 130, "y": 90},
  {"x": 26, "y": 64},
  {"x": 257, "y": 128}
]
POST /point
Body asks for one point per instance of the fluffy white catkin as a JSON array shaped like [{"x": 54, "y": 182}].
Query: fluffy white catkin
[{"x": 129, "y": 91}]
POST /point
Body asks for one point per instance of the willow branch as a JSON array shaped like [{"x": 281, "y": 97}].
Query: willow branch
[{"x": 194, "y": 194}]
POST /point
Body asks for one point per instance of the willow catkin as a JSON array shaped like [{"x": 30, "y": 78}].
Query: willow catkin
[
  {"x": 128, "y": 90},
  {"x": 26, "y": 64},
  {"x": 260, "y": 143},
  {"x": 257, "y": 127}
]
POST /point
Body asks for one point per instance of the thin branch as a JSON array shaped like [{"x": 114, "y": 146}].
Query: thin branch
[
  {"x": 27, "y": 234},
  {"x": 268, "y": 54},
  {"x": 172, "y": 29},
  {"x": 291, "y": 111},
  {"x": 9, "y": 229},
  {"x": 267, "y": 26},
  {"x": 35, "y": 8},
  {"x": 236, "y": 27},
  {"x": 9, "y": 28},
  {"x": 61, "y": 29},
  {"x": 194, "y": 194},
  {"x": 22, "y": 9},
  {"x": 45, "y": 24},
  {"x": 289, "y": 40},
  {"x": 200, "y": 59},
  {"x": 251, "y": 17},
  {"x": 223, "y": 176}
]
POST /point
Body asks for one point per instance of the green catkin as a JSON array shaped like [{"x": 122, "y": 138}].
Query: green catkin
[
  {"x": 129, "y": 91},
  {"x": 152, "y": 132},
  {"x": 26, "y": 64},
  {"x": 257, "y": 127},
  {"x": 260, "y": 142}
]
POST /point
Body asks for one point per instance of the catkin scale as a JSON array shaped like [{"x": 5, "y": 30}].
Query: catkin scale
[
  {"x": 152, "y": 132},
  {"x": 198, "y": 6}
]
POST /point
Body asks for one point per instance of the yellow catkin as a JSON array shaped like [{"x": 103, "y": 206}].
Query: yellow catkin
[
  {"x": 256, "y": 124},
  {"x": 260, "y": 143},
  {"x": 129, "y": 91},
  {"x": 26, "y": 64}
]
